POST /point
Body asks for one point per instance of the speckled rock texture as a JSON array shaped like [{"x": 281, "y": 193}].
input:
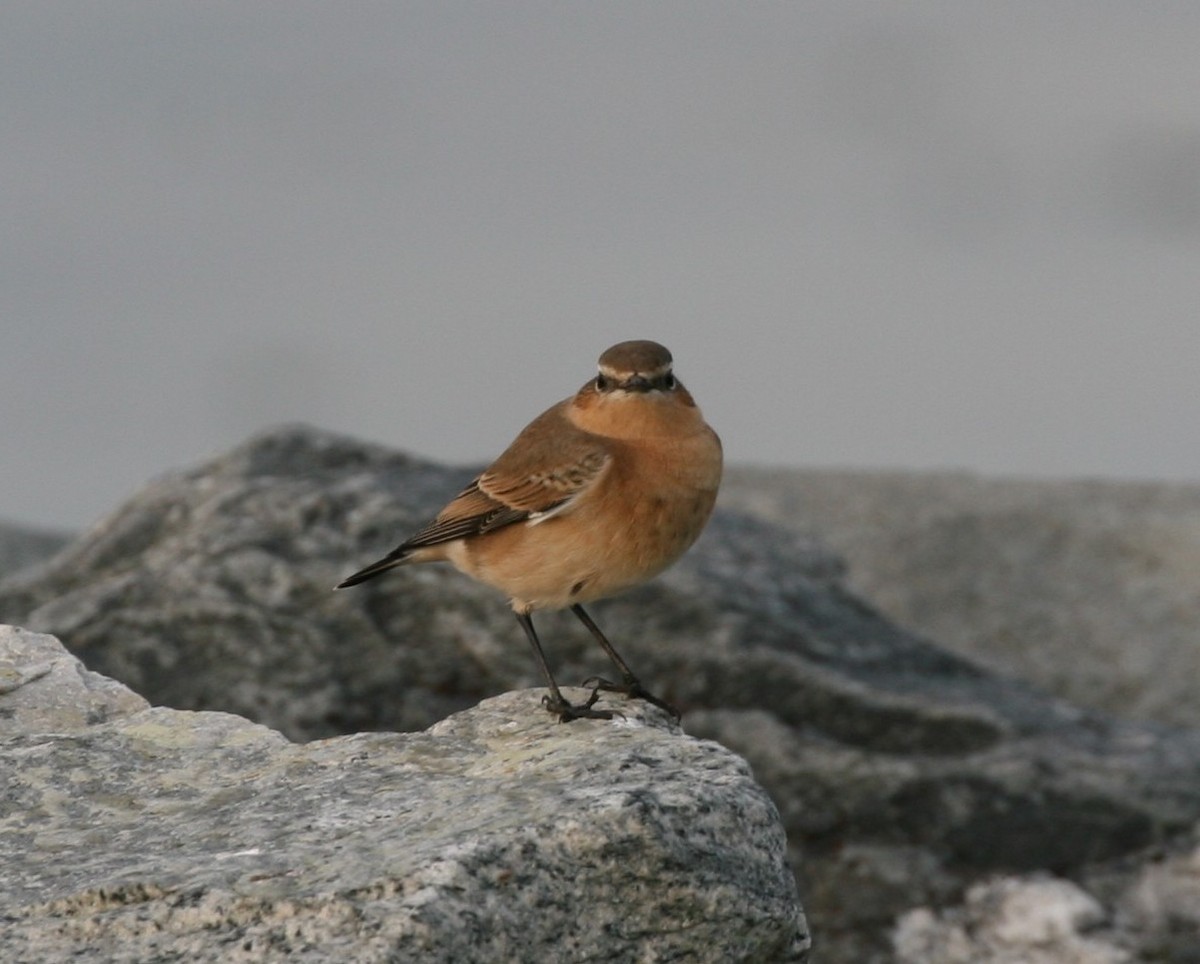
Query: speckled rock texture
[
  {"x": 903, "y": 773},
  {"x": 1145, "y": 907},
  {"x": 139, "y": 834},
  {"x": 1012, "y": 921},
  {"x": 66, "y": 697}
]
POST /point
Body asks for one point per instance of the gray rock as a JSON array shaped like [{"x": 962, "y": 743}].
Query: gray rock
[
  {"x": 497, "y": 835},
  {"x": 23, "y": 546},
  {"x": 1142, "y": 907},
  {"x": 67, "y": 696},
  {"x": 903, "y": 773},
  {"x": 1088, "y": 589},
  {"x": 1037, "y": 920},
  {"x": 1158, "y": 906}
]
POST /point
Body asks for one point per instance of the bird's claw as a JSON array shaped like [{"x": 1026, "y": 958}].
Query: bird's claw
[
  {"x": 576, "y": 711},
  {"x": 632, "y": 688}
]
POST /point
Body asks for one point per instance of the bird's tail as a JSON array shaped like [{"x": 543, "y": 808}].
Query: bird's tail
[{"x": 390, "y": 561}]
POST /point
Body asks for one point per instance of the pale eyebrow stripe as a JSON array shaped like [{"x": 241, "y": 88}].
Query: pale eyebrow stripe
[{"x": 652, "y": 373}]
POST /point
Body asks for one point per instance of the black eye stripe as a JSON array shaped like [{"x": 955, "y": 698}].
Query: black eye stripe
[{"x": 664, "y": 382}]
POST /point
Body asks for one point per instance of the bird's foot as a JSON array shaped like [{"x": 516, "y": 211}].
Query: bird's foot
[
  {"x": 567, "y": 712},
  {"x": 631, "y": 687}
]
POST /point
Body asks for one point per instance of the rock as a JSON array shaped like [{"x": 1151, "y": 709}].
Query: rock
[
  {"x": 1011, "y": 921},
  {"x": 903, "y": 773},
  {"x": 1085, "y": 588},
  {"x": 1163, "y": 901},
  {"x": 66, "y": 695},
  {"x": 1154, "y": 899},
  {"x": 22, "y": 547},
  {"x": 1140, "y": 907},
  {"x": 142, "y": 834}
]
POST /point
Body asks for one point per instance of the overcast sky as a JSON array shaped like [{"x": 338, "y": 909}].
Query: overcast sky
[{"x": 873, "y": 235}]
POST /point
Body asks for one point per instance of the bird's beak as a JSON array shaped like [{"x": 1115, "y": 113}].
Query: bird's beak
[{"x": 636, "y": 384}]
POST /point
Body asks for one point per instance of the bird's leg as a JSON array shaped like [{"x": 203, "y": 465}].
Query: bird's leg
[
  {"x": 630, "y": 685},
  {"x": 555, "y": 702}
]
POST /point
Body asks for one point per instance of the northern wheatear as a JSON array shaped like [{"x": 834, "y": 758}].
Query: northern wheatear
[{"x": 598, "y": 494}]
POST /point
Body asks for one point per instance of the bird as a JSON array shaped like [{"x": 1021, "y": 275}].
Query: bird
[{"x": 597, "y": 495}]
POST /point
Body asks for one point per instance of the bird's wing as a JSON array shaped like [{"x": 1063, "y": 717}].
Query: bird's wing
[{"x": 549, "y": 465}]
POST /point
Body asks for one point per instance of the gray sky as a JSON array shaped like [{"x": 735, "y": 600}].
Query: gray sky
[{"x": 903, "y": 235}]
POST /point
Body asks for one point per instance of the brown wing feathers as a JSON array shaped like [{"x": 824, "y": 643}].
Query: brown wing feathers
[
  {"x": 472, "y": 513},
  {"x": 529, "y": 480}
]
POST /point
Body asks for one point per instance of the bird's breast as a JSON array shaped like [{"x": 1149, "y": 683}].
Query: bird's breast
[{"x": 651, "y": 503}]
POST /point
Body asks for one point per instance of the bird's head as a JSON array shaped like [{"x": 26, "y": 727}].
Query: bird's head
[{"x": 635, "y": 393}]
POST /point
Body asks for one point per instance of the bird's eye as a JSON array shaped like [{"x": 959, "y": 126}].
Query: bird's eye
[
  {"x": 601, "y": 383},
  {"x": 668, "y": 381}
]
